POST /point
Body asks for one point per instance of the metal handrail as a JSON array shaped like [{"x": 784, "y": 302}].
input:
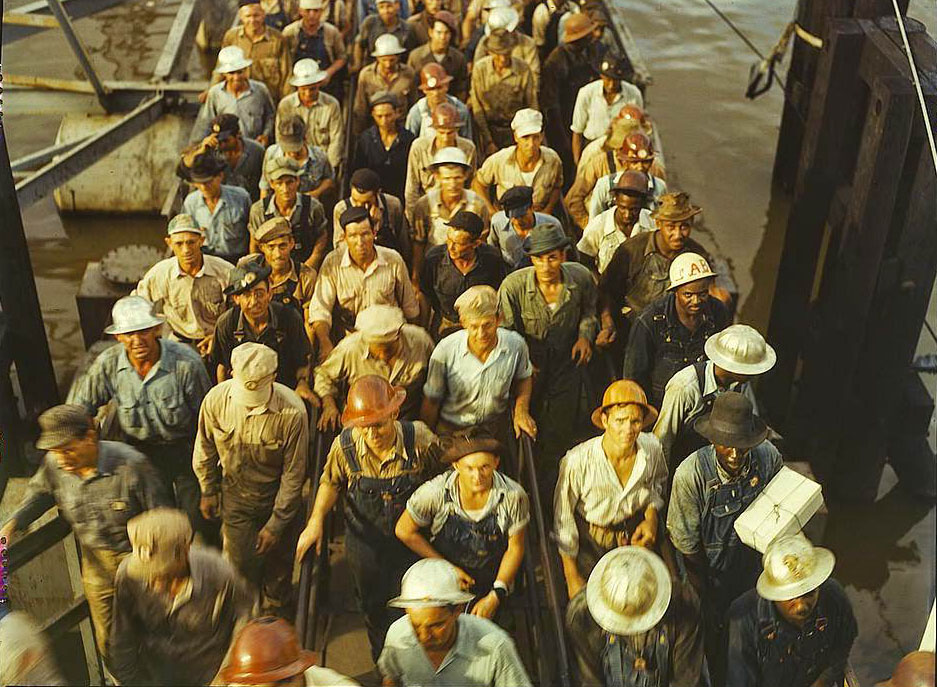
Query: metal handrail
[{"x": 32, "y": 544}]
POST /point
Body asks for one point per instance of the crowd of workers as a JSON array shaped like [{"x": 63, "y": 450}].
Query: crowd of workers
[{"x": 508, "y": 249}]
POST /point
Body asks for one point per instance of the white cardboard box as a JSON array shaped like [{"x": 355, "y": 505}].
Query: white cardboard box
[{"x": 784, "y": 507}]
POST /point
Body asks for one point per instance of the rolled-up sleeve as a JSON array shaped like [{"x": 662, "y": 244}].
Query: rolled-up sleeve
[
  {"x": 581, "y": 111},
  {"x": 524, "y": 368},
  {"x": 425, "y": 502},
  {"x": 323, "y": 298},
  {"x": 404, "y": 290},
  {"x": 565, "y": 500}
]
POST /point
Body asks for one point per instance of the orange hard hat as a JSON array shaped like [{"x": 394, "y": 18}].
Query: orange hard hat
[
  {"x": 446, "y": 116},
  {"x": 433, "y": 75},
  {"x": 371, "y": 399},
  {"x": 632, "y": 112},
  {"x": 265, "y": 650},
  {"x": 638, "y": 146}
]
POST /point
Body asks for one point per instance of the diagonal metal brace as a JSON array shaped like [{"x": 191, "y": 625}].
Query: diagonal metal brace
[
  {"x": 179, "y": 42},
  {"x": 55, "y": 6}
]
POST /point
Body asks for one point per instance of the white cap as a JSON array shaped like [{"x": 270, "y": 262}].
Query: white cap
[
  {"x": 387, "y": 44},
  {"x": 379, "y": 323},
  {"x": 311, "y": 4},
  {"x": 231, "y": 59},
  {"x": 505, "y": 18},
  {"x": 740, "y": 349},
  {"x": 527, "y": 121},
  {"x": 254, "y": 369},
  {"x": 688, "y": 267},
  {"x": 430, "y": 583},
  {"x": 477, "y": 301},
  {"x": 450, "y": 156},
  {"x": 628, "y": 590},
  {"x": 306, "y": 72},
  {"x": 132, "y": 314},
  {"x": 184, "y": 223},
  {"x": 793, "y": 567}
]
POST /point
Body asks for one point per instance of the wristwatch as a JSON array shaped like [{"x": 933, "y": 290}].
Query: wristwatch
[{"x": 500, "y": 589}]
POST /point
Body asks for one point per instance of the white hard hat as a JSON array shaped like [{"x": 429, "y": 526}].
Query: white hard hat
[
  {"x": 688, "y": 267},
  {"x": 505, "y": 18},
  {"x": 450, "y": 156},
  {"x": 306, "y": 72},
  {"x": 132, "y": 314},
  {"x": 628, "y": 590},
  {"x": 231, "y": 59},
  {"x": 387, "y": 44},
  {"x": 793, "y": 567},
  {"x": 740, "y": 349},
  {"x": 430, "y": 583}
]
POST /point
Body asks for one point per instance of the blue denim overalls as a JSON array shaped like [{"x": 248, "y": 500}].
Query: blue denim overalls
[{"x": 626, "y": 667}]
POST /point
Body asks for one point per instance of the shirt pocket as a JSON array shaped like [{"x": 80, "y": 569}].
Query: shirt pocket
[{"x": 169, "y": 404}]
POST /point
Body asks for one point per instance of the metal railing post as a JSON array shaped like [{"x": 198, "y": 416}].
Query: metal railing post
[{"x": 79, "y": 49}]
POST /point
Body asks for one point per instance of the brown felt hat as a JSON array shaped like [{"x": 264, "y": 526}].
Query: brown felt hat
[
  {"x": 578, "y": 26},
  {"x": 471, "y": 441}
]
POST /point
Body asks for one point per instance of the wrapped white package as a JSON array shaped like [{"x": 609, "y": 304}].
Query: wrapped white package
[{"x": 784, "y": 507}]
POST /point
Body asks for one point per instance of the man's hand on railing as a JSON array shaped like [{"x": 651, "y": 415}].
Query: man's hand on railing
[
  {"x": 330, "y": 418},
  {"x": 524, "y": 422},
  {"x": 310, "y": 536}
]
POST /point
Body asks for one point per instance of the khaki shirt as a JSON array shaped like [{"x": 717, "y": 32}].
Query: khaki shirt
[
  {"x": 430, "y": 215},
  {"x": 331, "y": 37},
  {"x": 420, "y": 178},
  {"x": 259, "y": 452},
  {"x": 495, "y": 98},
  {"x": 426, "y": 461},
  {"x": 403, "y": 85},
  {"x": 323, "y": 122},
  {"x": 525, "y": 50},
  {"x": 502, "y": 170},
  {"x": 305, "y": 285},
  {"x": 191, "y": 305},
  {"x": 272, "y": 62}
]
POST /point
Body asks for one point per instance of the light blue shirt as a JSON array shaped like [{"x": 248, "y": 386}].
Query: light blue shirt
[
  {"x": 254, "y": 110},
  {"x": 161, "y": 407},
  {"x": 420, "y": 119},
  {"x": 314, "y": 171},
  {"x": 503, "y": 236},
  {"x": 471, "y": 392},
  {"x": 226, "y": 228},
  {"x": 483, "y": 655}
]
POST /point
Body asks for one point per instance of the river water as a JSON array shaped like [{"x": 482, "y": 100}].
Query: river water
[{"x": 720, "y": 149}]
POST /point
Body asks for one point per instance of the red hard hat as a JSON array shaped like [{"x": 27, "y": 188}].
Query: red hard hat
[
  {"x": 632, "y": 112},
  {"x": 371, "y": 399},
  {"x": 638, "y": 146},
  {"x": 266, "y": 650},
  {"x": 433, "y": 75},
  {"x": 445, "y": 116}
]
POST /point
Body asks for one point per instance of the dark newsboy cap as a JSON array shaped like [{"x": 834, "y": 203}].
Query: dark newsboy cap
[
  {"x": 62, "y": 424},
  {"x": 354, "y": 214},
  {"x": 244, "y": 277},
  {"x": 516, "y": 201},
  {"x": 465, "y": 220}
]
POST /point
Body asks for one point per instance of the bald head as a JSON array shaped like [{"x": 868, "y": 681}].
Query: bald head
[{"x": 914, "y": 670}]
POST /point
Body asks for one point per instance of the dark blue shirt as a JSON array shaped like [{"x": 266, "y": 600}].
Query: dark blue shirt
[{"x": 390, "y": 165}]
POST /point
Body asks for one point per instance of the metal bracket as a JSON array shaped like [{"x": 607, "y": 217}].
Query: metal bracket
[{"x": 65, "y": 22}]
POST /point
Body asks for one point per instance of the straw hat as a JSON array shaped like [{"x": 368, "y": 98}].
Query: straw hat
[
  {"x": 430, "y": 583},
  {"x": 306, "y": 72},
  {"x": 133, "y": 314},
  {"x": 623, "y": 392},
  {"x": 793, "y": 567},
  {"x": 387, "y": 44},
  {"x": 740, "y": 349},
  {"x": 578, "y": 26},
  {"x": 450, "y": 156},
  {"x": 628, "y": 591},
  {"x": 502, "y": 18}
]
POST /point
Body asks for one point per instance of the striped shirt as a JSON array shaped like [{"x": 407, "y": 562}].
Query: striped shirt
[
  {"x": 588, "y": 486},
  {"x": 601, "y": 237}
]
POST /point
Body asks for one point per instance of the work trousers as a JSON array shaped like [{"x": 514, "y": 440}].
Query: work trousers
[
  {"x": 98, "y": 569},
  {"x": 173, "y": 461}
]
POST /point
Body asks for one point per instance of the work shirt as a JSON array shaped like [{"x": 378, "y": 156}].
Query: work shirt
[
  {"x": 504, "y": 237},
  {"x": 420, "y": 176},
  {"x": 767, "y": 651},
  {"x": 258, "y": 452},
  {"x": 589, "y": 488},
  {"x": 323, "y": 120},
  {"x": 389, "y": 163},
  {"x": 601, "y": 237},
  {"x": 495, "y": 98},
  {"x": 431, "y": 216},
  {"x": 247, "y": 171},
  {"x": 592, "y": 113},
  {"x": 272, "y": 64},
  {"x": 315, "y": 169},
  {"x": 688, "y": 496},
  {"x": 160, "y": 640},
  {"x": 602, "y": 199},
  {"x": 403, "y": 84},
  {"x": 483, "y": 655},
  {"x": 453, "y": 61},
  {"x": 680, "y": 625},
  {"x": 351, "y": 359},
  {"x": 343, "y": 284},
  {"x": 97, "y": 507},
  {"x": 471, "y": 392},
  {"x": 502, "y": 170},
  {"x": 161, "y": 407},
  {"x": 525, "y": 50},
  {"x": 659, "y": 345},
  {"x": 295, "y": 288},
  {"x": 284, "y": 333},
  {"x": 253, "y": 107},
  {"x": 190, "y": 304},
  {"x": 420, "y": 119},
  {"x": 373, "y": 27},
  {"x": 429, "y": 507},
  {"x": 307, "y": 220},
  {"x": 226, "y": 226},
  {"x": 442, "y": 282},
  {"x": 325, "y": 46},
  {"x": 337, "y": 473}
]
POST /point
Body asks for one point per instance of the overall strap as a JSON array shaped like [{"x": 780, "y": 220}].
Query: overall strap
[
  {"x": 348, "y": 448},
  {"x": 610, "y": 158},
  {"x": 700, "y": 367},
  {"x": 706, "y": 460},
  {"x": 305, "y": 211},
  {"x": 409, "y": 441}
]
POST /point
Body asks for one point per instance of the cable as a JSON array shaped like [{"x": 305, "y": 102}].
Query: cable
[{"x": 917, "y": 83}]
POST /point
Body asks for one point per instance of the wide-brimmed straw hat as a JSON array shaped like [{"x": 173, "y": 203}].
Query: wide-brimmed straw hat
[
  {"x": 732, "y": 422},
  {"x": 623, "y": 392},
  {"x": 740, "y": 349},
  {"x": 231, "y": 59},
  {"x": 578, "y": 26},
  {"x": 629, "y": 590},
  {"x": 306, "y": 72},
  {"x": 793, "y": 567}
]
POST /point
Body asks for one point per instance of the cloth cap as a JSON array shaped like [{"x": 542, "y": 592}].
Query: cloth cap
[
  {"x": 450, "y": 156},
  {"x": 477, "y": 301},
  {"x": 244, "y": 277},
  {"x": 527, "y": 121},
  {"x": 366, "y": 180},
  {"x": 273, "y": 228},
  {"x": 502, "y": 18},
  {"x": 732, "y": 422},
  {"x": 265, "y": 651},
  {"x": 254, "y": 369},
  {"x": 740, "y": 349},
  {"x": 628, "y": 591},
  {"x": 616, "y": 67},
  {"x": 133, "y": 314},
  {"x": 202, "y": 167},
  {"x": 224, "y": 126},
  {"x": 688, "y": 267},
  {"x": 160, "y": 539},
  {"x": 793, "y": 567},
  {"x": 430, "y": 583},
  {"x": 384, "y": 98},
  {"x": 543, "y": 238},
  {"x": 281, "y": 166},
  {"x": 184, "y": 223},
  {"x": 380, "y": 323},
  {"x": 501, "y": 42},
  {"x": 467, "y": 221},
  {"x": 387, "y": 44},
  {"x": 472, "y": 440},
  {"x": 291, "y": 133},
  {"x": 624, "y": 392},
  {"x": 674, "y": 207},
  {"x": 516, "y": 201},
  {"x": 353, "y": 214},
  {"x": 447, "y": 18},
  {"x": 632, "y": 182},
  {"x": 306, "y": 72},
  {"x": 312, "y": 4},
  {"x": 578, "y": 26},
  {"x": 231, "y": 59},
  {"x": 62, "y": 424},
  {"x": 433, "y": 75}
]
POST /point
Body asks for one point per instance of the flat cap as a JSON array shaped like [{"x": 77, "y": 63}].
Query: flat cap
[
  {"x": 471, "y": 441},
  {"x": 224, "y": 126},
  {"x": 160, "y": 538},
  {"x": 281, "y": 166},
  {"x": 384, "y": 98},
  {"x": 352, "y": 214},
  {"x": 379, "y": 323},
  {"x": 291, "y": 133},
  {"x": 527, "y": 121},
  {"x": 244, "y": 277},
  {"x": 477, "y": 301},
  {"x": 181, "y": 223},
  {"x": 517, "y": 200},
  {"x": 467, "y": 221},
  {"x": 62, "y": 424},
  {"x": 273, "y": 228}
]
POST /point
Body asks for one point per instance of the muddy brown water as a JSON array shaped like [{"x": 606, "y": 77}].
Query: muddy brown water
[{"x": 720, "y": 149}]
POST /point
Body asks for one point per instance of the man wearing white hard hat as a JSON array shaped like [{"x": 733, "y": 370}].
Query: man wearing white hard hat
[
  {"x": 240, "y": 95},
  {"x": 320, "y": 111},
  {"x": 797, "y": 627},
  {"x": 436, "y": 644},
  {"x": 158, "y": 386},
  {"x": 735, "y": 356},
  {"x": 634, "y": 626},
  {"x": 507, "y": 18},
  {"x": 250, "y": 458},
  {"x": 312, "y": 38},
  {"x": 264, "y": 45},
  {"x": 671, "y": 332},
  {"x": 387, "y": 21},
  {"x": 387, "y": 73}
]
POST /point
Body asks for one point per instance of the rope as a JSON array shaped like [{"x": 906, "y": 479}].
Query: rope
[{"x": 917, "y": 85}]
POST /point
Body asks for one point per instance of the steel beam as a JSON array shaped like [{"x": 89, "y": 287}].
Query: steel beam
[
  {"x": 65, "y": 22},
  {"x": 42, "y": 157},
  {"x": 179, "y": 42},
  {"x": 26, "y": 547},
  {"x": 113, "y": 88},
  {"x": 93, "y": 149},
  {"x": 37, "y": 21},
  {"x": 61, "y": 623},
  {"x": 76, "y": 10}
]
